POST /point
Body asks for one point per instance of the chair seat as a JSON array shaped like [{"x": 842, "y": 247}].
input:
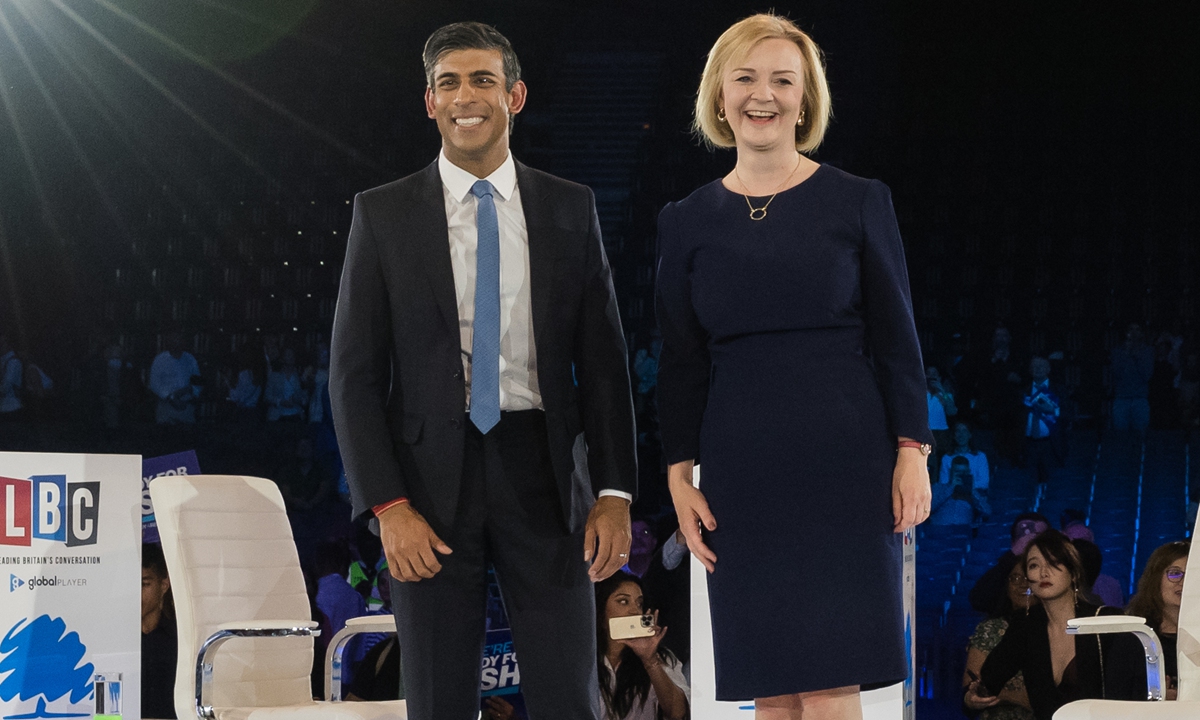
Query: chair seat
[
  {"x": 389, "y": 710},
  {"x": 1128, "y": 710}
]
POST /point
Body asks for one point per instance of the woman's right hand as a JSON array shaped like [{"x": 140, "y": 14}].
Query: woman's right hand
[
  {"x": 692, "y": 510},
  {"x": 977, "y": 701}
]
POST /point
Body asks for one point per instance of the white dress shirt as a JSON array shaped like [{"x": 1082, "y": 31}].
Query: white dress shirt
[{"x": 518, "y": 354}]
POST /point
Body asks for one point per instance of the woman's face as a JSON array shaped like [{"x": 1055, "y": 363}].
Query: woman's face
[
  {"x": 1047, "y": 581},
  {"x": 762, "y": 95},
  {"x": 627, "y": 600},
  {"x": 1172, "y": 591},
  {"x": 1018, "y": 589}
]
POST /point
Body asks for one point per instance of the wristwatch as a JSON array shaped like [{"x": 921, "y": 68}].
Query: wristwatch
[{"x": 925, "y": 448}]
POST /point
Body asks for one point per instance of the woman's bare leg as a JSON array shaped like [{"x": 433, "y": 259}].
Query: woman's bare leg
[{"x": 833, "y": 704}]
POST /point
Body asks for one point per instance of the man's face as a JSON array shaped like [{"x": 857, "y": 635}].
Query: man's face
[
  {"x": 1039, "y": 369},
  {"x": 470, "y": 103}
]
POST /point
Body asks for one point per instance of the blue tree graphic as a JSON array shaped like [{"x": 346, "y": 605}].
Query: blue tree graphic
[{"x": 40, "y": 658}]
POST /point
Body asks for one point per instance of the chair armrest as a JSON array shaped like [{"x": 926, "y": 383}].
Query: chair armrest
[
  {"x": 337, "y": 647},
  {"x": 250, "y": 626},
  {"x": 1104, "y": 624},
  {"x": 243, "y": 629}
]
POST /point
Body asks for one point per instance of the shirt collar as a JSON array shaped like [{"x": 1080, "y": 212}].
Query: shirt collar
[{"x": 459, "y": 181}]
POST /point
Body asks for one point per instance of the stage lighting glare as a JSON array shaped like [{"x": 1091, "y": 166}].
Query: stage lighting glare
[
  {"x": 298, "y": 232},
  {"x": 285, "y": 263},
  {"x": 322, "y": 262}
]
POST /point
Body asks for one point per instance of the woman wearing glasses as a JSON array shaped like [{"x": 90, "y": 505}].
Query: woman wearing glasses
[
  {"x": 1159, "y": 593},
  {"x": 1014, "y": 701}
]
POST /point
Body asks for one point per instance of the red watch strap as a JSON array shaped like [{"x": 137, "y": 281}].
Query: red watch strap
[
  {"x": 378, "y": 509},
  {"x": 910, "y": 444}
]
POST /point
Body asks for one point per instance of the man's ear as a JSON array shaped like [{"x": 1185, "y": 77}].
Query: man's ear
[
  {"x": 430, "y": 107},
  {"x": 517, "y": 97}
]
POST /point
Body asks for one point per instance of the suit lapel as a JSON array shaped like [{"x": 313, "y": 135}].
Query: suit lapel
[
  {"x": 431, "y": 236},
  {"x": 541, "y": 250}
]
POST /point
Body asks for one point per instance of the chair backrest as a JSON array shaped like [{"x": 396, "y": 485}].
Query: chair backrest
[
  {"x": 231, "y": 557},
  {"x": 1189, "y": 630}
]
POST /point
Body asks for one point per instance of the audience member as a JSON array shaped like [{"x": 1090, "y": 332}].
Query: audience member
[
  {"x": 1014, "y": 700},
  {"x": 335, "y": 598},
  {"x": 1097, "y": 588},
  {"x": 171, "y": 379},
  {"x": 955, "y": 502},
  {"x": 641, "y": 547},
  {"x": 11, "y": 372},
  {"x": 1058, "y": 668},
  {"x": 981, "y": 471},
  {"x": 989, "y": 591},
  {"x": 638, "y": 679},
  {"x": 117, "y": 386},
  {"x": 1043, "y": 408},
  {"x": 318, "y": 410},
  {"x": 244, "y": 390},
  {"x": 285, "y": 396},
  {"x": 997, "y": 383},
  {"x": 1158, "y": 597},
  {"x": 159, "y": 640},
  {"x": 1132, "y": 364}
]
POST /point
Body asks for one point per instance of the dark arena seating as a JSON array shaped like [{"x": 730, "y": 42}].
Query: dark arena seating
[{"x": 1044, "y": 167}]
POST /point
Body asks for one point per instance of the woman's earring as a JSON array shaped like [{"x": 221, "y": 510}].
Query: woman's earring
[
  {"x": 721, "y": 114},
  {"x": 801, "y": 120}
]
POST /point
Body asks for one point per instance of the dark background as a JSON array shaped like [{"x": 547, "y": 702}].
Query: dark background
[{"x": 190, "y": 164}]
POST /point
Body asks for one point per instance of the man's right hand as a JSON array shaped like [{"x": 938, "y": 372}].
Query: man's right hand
[{"x": 410, "y": 544}]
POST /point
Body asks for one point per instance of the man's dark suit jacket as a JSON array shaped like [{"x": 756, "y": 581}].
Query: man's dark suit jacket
[{"x": 396, "y": 370}]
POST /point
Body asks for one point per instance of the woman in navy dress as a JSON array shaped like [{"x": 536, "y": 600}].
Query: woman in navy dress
[{"x": 791, "y": 370}]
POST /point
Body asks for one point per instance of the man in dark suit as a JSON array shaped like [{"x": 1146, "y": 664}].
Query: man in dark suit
[{"x": 481, "y": 396}]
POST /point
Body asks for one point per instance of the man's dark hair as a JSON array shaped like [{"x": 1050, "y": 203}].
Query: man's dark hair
[
  {"x": 153, "y": 560},
  {"x": 470, "y": 36},
  {"x": 1012, "y": 530}
]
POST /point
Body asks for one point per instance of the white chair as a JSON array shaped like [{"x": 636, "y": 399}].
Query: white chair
[
  {"x": 1187, "y": 706},
  {"x": 245, "y": 630}
]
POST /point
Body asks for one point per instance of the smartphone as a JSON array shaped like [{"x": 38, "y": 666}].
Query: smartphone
[{"x": 631, "y": 626}]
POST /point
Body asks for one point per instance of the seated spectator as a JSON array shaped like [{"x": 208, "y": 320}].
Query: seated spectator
[
  {"x": 638, "y": 679},
  {"x": 954, "y": 501},
  {"x": 1014, "y": 700},
  {"x": 243, "y": 390},
  {"x": 159, "y": 640},
  {"x": 976, "y": 459},
  {"x": 1158, "y": 596},
  {"x": 1057, "y": 668},
  {"x": 335, "y": 598},
  {"x": 641, "y": 547},
  {"x": 989, "y": 591},
  {"x": 285, "y": 395},
  {"x": 1097, "y": 588},
  {"x": 171, "y": 379}
]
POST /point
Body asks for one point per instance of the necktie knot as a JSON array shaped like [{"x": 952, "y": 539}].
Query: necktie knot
[{"x": 482, "y": 188}]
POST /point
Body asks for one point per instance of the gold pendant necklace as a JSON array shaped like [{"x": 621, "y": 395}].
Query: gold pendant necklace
[{"x": 761, "y": 213}]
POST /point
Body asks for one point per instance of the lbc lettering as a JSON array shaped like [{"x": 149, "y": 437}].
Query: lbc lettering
[{"x": 47, "y": 507}]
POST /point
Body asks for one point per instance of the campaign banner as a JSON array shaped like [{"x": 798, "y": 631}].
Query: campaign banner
[
  {"x": 70, "y": 565},
  {"x": 501, "y": 676},
  {"x": 183, "y": 463}
]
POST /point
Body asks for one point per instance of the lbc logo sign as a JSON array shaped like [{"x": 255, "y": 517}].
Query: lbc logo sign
[{"x": 47, "y": 507}]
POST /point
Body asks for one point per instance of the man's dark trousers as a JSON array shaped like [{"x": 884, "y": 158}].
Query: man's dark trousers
[{"x": 509, "y": 515}]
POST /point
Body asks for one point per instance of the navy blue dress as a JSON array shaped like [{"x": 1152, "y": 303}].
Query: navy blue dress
[{"x": 790, "y": 364}]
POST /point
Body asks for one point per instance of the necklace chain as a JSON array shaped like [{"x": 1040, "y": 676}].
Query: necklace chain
[{"x": 761, "y": 213}]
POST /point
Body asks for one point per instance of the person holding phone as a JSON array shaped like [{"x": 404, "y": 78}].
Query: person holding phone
[{"x": 639, "y": 679}]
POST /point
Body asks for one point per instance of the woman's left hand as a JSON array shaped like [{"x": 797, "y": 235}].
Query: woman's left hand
[
  {"x": 911, "y": 494},
  {"x": 646, "y": 648}
]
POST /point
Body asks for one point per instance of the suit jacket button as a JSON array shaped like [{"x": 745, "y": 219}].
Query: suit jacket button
[
  {"x": 456, "y": 423},
  {"x": 457, "y": 374}
]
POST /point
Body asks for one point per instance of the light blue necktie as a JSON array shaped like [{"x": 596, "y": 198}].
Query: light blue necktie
[{"x": 485, "y": 341}]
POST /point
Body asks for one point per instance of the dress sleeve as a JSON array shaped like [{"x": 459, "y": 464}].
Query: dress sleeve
[
  {"x": 1006, "y": 658},
  {"x": 887, "y": 311},
  {"x": 684, "y": 365}
]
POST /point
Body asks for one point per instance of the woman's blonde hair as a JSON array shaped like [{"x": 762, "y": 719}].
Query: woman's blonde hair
[{"x": 734, "y": 44}]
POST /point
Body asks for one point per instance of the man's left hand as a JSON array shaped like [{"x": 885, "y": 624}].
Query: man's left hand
[{"x": 607, "y": 538}]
